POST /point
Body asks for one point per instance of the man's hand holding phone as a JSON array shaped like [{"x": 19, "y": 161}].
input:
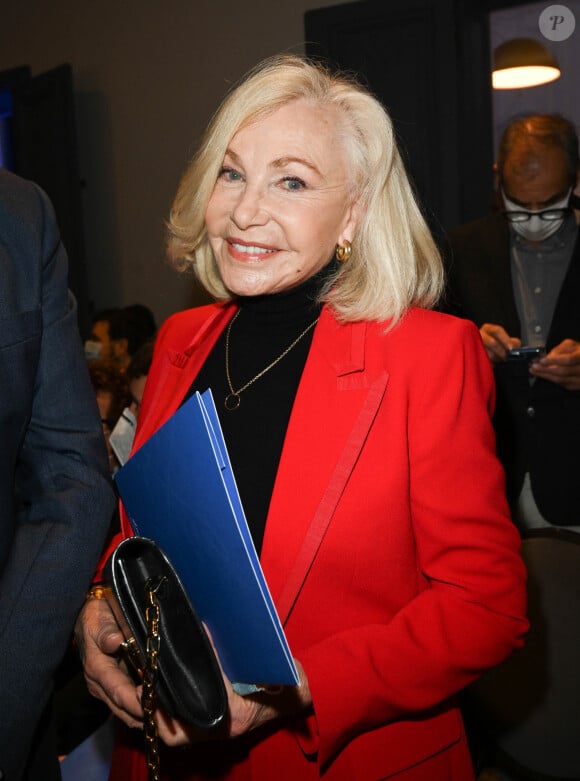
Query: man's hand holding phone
[
  {"x": 561, "y": 365},
  {"x": 497, "y": 342},
  {"x": 525, "y": 355}
]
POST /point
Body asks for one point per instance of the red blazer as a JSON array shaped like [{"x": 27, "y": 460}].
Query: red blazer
[{"x": 411, "y": 584}]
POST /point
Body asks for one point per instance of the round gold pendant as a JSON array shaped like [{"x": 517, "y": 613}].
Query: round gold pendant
[{"x": 232, "y": 401}]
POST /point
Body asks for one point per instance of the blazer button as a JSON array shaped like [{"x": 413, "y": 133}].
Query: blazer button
[{"x": 531, "y": 412}]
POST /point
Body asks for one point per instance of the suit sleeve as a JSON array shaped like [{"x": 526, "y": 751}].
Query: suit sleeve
[{"x": 64, "y": 503}]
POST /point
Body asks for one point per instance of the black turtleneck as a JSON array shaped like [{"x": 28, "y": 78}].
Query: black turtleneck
[{"x": 255, "y": 431}]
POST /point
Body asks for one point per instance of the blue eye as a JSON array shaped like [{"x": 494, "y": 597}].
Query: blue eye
[
  {"x": 294, "y": 183},
  {"x": 229, "y": 174}
]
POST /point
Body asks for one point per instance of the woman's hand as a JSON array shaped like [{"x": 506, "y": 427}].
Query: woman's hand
[
  {"x": 244, "y": 713},
  {"x": 99, "y": 637}
]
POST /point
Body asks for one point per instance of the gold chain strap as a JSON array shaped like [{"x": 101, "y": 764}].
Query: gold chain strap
[{"x": 148, "y": 698}]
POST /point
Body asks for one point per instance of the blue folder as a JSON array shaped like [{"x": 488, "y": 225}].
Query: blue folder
[{"x": 179, "y": 490}]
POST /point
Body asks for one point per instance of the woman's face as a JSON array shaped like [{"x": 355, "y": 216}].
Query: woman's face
[{"x": 281, "y": 202}]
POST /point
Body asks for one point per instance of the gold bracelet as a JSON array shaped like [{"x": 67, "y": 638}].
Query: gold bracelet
[{"x": 98, "y": 591}]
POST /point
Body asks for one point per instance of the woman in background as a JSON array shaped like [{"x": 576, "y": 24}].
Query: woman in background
[{"x": 358, "y": 425}]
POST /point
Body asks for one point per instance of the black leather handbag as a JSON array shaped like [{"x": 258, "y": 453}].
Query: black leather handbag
[{"x": 163, "y": 634}]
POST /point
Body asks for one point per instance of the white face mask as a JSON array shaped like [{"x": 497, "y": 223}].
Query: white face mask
[
  {"x": 92, "y": 350},
  {"x": 121, "y": 437},
  {"x": 536, "y": 228}
]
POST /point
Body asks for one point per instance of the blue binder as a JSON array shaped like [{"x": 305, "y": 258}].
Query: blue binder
[{"x": 179, "y": 490}]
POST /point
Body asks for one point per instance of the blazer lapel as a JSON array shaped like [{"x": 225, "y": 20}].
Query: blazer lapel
[
  {"x": 336, "y": 403},
  {"x": 565, "y": 320},
  {"x": 500, "y": 260},
  {"x": 176, "y": 370},
  {"x": 337, "y": 400}
]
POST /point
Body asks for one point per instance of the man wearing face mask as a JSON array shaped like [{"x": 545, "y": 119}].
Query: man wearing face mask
[
  {"x": 516, "y": 274},
  {"x": 98, "y": 344}
]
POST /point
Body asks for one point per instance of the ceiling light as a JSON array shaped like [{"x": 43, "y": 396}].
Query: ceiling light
[{"x": 523, "y": 62}]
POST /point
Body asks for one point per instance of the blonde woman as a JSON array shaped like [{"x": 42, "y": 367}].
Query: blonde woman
[{"x": 354, "y": 417}]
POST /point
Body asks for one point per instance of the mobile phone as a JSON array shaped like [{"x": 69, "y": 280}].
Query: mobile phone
[{"x": 525, "y": 354}]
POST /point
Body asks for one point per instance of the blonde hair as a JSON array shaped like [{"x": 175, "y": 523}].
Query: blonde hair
[{"x": 394, "y": 264}]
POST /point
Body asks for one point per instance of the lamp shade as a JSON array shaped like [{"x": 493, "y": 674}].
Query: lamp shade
[{"x": 523, "y": 62}]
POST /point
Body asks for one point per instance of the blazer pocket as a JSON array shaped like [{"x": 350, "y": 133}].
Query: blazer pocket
[{"x": 396, "y": 747}]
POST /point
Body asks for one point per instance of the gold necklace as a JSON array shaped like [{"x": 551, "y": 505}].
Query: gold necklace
[{"x": 232, "y": 400}]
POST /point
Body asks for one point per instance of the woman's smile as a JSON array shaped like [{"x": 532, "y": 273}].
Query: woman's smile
[{"x": 241, "y": 250}]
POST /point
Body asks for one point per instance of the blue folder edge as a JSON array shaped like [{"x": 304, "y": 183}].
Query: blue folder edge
[{"x": 179, "y": 490}]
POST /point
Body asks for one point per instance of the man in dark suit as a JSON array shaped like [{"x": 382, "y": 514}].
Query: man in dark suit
[
  {"x": 55, "y": 497},
  {"x": 516, "y": 273}
]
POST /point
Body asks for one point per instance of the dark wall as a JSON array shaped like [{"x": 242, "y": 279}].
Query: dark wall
[
  {"x": 429, "y": 62},
  {"x": 43, "y": 141}
]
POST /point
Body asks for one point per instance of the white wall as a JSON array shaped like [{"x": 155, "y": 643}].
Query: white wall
[{"x": 147, "y": 77}]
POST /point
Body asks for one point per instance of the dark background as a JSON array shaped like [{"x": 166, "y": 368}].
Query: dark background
[{"x": 108, "y": 132}]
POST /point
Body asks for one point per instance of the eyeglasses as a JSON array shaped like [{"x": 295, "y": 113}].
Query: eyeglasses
[{"x": 549, "y": 215}]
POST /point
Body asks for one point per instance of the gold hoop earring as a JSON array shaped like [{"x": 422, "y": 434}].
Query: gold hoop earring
[{"x": 343, "y": 251}]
